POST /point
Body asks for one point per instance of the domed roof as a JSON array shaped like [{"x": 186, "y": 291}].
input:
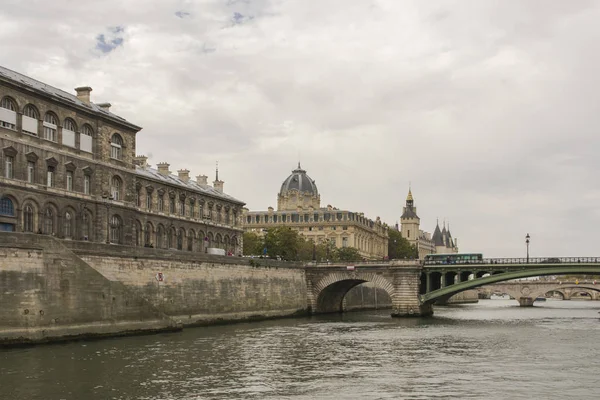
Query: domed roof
[{"x": 298, "y": 180}]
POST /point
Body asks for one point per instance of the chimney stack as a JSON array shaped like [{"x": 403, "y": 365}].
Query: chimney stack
[
  {"x": 83, "y": 93},
  {"x": 184, "y": 174},
  {"x": 202, "y": 180},
  {"x": 163, "y": 168},
  {"x": 141, "y": 161},
  {"x": 218, "y": 184},
  {"x": 103, "y": 106}
]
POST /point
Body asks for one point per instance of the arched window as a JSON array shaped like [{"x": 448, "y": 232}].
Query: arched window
[
  {"x": 116, "y": 229},
  {"x": 180, "y": 237},
  {"x": 50, "y": 126},
  {"x": 6, "y": 207},
  {"x": 137, "y": 231},
  {"x": 70, "y": 125},
  {"x": 68, "y": 225},
  {"x": 30, "y": 120},
  {"x": 8, "y": 113},
  {"x": 148, "y": 235},
  {"x": 190, "y": 240},
  {"x": 85, "y": 139},
  {"x": 160, "y": 232},
  {"x": 28, "y": 218},
  {"x": 68, "y": 132},
  {"x": 85, "y": 225},
  {"x": 49, "y": 222},
  {"x": 115, "y": 187},
  {"x": 171, "y": 238},
  {"x": 116, "y": 147}
]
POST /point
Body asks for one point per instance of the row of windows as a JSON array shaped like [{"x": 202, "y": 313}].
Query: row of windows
[
  {"x": 316, "y": 217},
  {"x": 50, "y": 124},
  {"x": 149, "y": 236},
  {"x": 9, "y": 172},
  {"x": 183, "y": 207}
]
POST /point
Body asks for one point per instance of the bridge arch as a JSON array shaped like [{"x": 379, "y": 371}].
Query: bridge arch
[
  {"x": 498, "y": 276},
  {"x": 568, "y": 290},
  {"x": 329, "y": 292}
]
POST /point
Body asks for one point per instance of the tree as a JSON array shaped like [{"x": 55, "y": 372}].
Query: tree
[
  {"x": 399, "y": 247},
  {"x": 348, "y": 254},
  {"x": 283, "y": 242},
  {"x": 253, "y": 244}
]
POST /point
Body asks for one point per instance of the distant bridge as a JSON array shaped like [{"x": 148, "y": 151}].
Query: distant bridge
[
  {"x": 539, "y": 289},
  {"x": 415, "y": 286}
]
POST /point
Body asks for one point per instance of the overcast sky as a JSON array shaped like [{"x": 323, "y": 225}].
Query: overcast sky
[{"x": 489, "y": 108}]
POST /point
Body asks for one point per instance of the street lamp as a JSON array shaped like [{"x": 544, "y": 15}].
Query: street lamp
[
  {"x": 107, "y": 199},
  {"x": 527, "y": 237}
]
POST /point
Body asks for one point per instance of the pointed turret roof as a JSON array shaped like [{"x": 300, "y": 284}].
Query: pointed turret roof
[
  {"x": 437, "y": 237},
  {"x": 409, "y": 210}
]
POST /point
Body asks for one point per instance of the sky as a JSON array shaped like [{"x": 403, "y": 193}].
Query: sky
[{"x": 488, "y": 109}]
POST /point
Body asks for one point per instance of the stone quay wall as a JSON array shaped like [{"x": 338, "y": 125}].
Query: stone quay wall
[
  {"x": 54, "y": 289},
  {"x": 198, "y": 289}
]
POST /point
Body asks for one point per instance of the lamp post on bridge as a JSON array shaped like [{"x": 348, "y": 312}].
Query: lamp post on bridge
[{"x": 527, "y": 237}]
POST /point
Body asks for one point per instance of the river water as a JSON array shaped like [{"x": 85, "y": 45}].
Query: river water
[{"x": 490, "y": 350}]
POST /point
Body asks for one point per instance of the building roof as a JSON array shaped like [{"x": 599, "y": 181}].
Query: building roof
[
  {"x": 299, "y": 181},
  {"x": 152, "y": 173},
  {"x": 437, "y": 237},
  {"x": 59, "y": 94}
]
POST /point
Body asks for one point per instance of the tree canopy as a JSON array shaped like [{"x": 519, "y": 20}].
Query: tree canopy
[
  {"x": 399, "y": 247},
  {"x": 288, "y": 244}
]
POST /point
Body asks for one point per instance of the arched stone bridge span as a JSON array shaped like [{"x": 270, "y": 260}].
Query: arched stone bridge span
[
  {"x": 537, "y": 289},
  {"x": 441, "y": 281},
  {"x": 328, "y": 284},
  {"x": 414, "y": 287}
]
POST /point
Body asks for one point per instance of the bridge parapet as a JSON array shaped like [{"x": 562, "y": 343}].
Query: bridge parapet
[{"x": 520, "y": 261}]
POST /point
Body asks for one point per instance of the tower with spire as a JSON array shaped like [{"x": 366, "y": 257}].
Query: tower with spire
[
  {"x": 218, "y": 184},
  {"x": 410, "y": 221}
]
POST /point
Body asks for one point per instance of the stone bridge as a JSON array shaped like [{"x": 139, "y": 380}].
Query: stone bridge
[
  {"x": 537, "y": 289},
  {"x": 329, "y": 283},
  {"x": 414, "y": 286}
]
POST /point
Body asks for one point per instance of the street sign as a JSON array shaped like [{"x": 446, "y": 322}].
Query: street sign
[{"x": 160, "y": 277}]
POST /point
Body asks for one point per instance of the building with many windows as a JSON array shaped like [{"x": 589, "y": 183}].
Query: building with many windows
[
  {"x": 299, "y": 207},
  {"x": 69, "y": 170}
]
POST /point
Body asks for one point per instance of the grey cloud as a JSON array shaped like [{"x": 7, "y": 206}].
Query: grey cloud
[{"x": 489, "y": 108}]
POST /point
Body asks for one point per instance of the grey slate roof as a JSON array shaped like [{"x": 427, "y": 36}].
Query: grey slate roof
[
  {"x": 151, "y": 173},
  {"x": 437, "y": 237},
  {"x": 298, "y": 180},
  {"x": 409, "y": 212},
  {"x": 58, "y": 94}
]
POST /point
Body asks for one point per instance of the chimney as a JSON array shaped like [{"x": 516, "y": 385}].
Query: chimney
[
  {"x": 163, "y": 168},
  {"x": 202, "y": 180},
  {"x": 83, "y": 93},
  {"x": 184, "y": 174},
  {"x": 218, "y": 185},
  {"x": 141, "y": 161},
  {"x": 103, "y": 106}
]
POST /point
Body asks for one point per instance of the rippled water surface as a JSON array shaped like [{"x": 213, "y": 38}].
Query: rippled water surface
[{"x": 491, "y": 350}]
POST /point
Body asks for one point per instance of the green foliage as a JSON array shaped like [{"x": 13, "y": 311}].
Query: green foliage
[
  {"x": 399, "y": 247},
  {"x": 253, "y": 244},
  {"x": 348, "y": 254},
  {"x": 288, "y": 244}
]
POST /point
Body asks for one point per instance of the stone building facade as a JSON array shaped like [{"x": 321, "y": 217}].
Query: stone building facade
[
  {"x": 299, "y": 207},
  {"x": 440, "y": 242},
  {"x": 70, "y": 170}
]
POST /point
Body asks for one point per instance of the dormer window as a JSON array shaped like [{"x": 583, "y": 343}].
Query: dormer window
[
  {"x": 8, "y": 113},
  {"x": 116, "y": 147},
  {"x": 30, "y": 120},
  {"x": 50, "y": 126}
]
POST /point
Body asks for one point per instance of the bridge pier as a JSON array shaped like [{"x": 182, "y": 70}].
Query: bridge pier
[{"x": 526, "y": 301}]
